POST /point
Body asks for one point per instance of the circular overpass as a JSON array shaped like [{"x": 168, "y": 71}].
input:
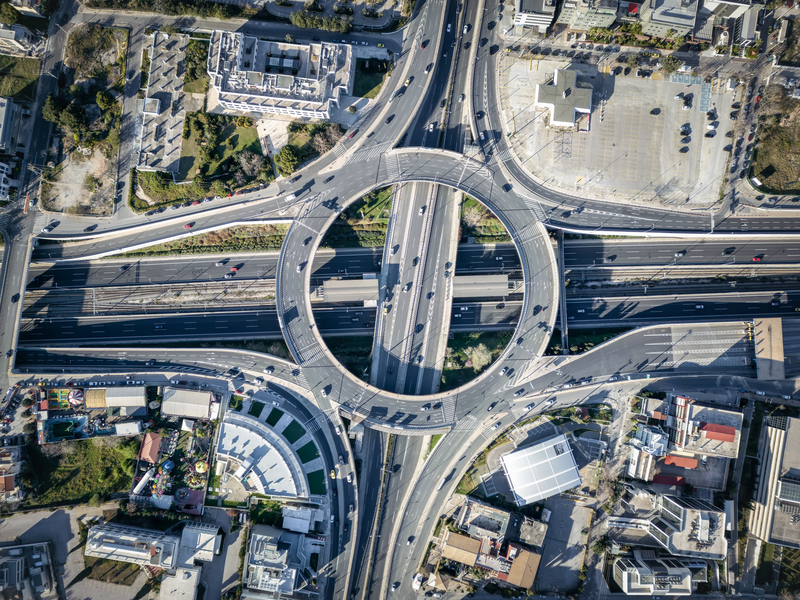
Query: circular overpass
[{"x": 379, "y": 407}]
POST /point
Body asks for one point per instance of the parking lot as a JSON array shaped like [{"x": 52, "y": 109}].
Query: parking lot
[
  {"x": 631, "y": 146},
  {"x": 564, "y": 545}
]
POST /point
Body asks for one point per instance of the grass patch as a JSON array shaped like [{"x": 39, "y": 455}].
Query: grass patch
[
  {"x": 255, "y": 409},
  {"x": 582, "y": 341},
  {"x": 241, "y": 138},
  {"x": 274, "y": 416},
  {"x": 308, "y": 452},
  {"x": 72, "y": 472},
  {"x": 293, "y": 432},
  {"x": 246, "y": 238},
  {"x": 110, "y": 571},
  {"x": 790, "y": 570},
  {"x": 370, "y": 75},
  {"x": 195, "y": 80},
  {"x": 469, "y": 354},
  {"x": 89, "y": 49},
  {"x": 776, "y": 159},
  {"x": 316, "y": 483},
  {"x": 363, "y": 224},
  {"x": 434, "y": 440},
  {"x": 266, "y": 512},
  {"x": 765, "y": 565},
  {"x": 355, "y": 352},
  {"x": 479, "y": 222},
  {"x": 19, "y": 77}
]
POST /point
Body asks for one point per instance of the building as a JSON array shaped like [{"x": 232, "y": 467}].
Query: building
[
  {"x": 524, "y": 565},
  {"x": 31, "y": 8},
  {"x": 16, "y": 40},
  {"x": 199, "y": 542},
  {"x": 582, "y": 15},
  {"x": 648, "y": 444},
  {"x": 274, "y": 563},
  {"x": 668, "y": 18},
  {"x": 483, "y": 520},
  {"x": 537, "y": 14},
  {"x": 9, "y": 475},
  {"x": 775, "y": 514},
  {"x": 133, "y": 545},
  {"x": 647, "y": 575},
  {"x": 6, "y": 181},
  {"x": 688, "y": 527},
  {"x": 129, "y": 400},
  {"x": 300, "y": 519},
  {"x": 541, "y": 470},
  {"x": 151, "y": 446},
  {"x": 461, "y": 548},
  {"x": 8, "y": 118},
  {"x": 180, "y": 402},
  {"x": 563, "y": 98},
  {"x": 254, "y": 75},
  {"x": 26, "y": 571},
  {"x": 180, "y": 586}
]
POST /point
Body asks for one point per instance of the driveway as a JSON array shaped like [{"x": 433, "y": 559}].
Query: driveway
[{"x": 222, "y": 573}]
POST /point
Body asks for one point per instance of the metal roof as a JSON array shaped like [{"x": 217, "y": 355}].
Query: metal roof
[
  {"x": 126, "y": 396},
  {"x": 541, "y": 470},
  {"x": 186, "y": 403}
]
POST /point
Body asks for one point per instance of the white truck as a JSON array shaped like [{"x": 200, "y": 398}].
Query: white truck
[{"x": 416, "y": 582}]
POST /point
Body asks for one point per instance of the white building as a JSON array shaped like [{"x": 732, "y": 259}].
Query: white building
[
  {"x": 253, "y": 75},
  {"x": 647, "y": 575},
  {"x": 16, "y": 40},
  {"x": 563, "y": 98},
  {"x": 8, "y": 113},
  {"x": 180, "y": 402},
  {"x": 648, "y": 445},
  {"x": 689, "y": 527},
  {"x": 5, "y": 181},
  {"x": 537, "y": 14},
  {"x": 133, "y": 545},
  {"x": 274, "y": 563},
  {"x": 541, "y": 470},
  {"x": 662, "y": 17}
]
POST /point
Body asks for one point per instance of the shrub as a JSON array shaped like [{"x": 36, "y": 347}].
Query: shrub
[{"x": 287, "y": 160}]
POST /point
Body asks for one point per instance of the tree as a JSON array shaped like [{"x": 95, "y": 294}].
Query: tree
[
  {"x": 287, "y": 160},
  {"x": 8, "y": 14},
  {"x": 601, "y": 545},
  {"x": 51, "y": 111},
  {"x": 73, "y": 118},
  {"x": 289, "y": 38},
  {"x": 633, "y": 62},
  {"x": 670, "y": 33},
  {"x": 30, "y": 427},
  {"x": 27, "y": 402},
  {"x": 670, "y": 64},
  {"x": 250, "y": 162},
  {"x": 104, "y": 100}
]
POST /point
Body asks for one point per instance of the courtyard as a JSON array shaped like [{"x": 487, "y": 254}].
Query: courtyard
[{"x": 630, "y": 146}]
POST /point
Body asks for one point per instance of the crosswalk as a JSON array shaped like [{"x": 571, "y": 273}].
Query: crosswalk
[
  {"x": 312, "y": 426},
  {"x": 309, "y": 353},
  {"x": 339, "y": 149},
  {"x": 365, "y": 154},
  {"x": 449, "y": 409},
  {"x": 393, "y": 167},
  {"x": 534, "y": 206}
]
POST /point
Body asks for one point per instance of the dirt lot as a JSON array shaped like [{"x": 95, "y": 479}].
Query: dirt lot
[
  {"x": 68, "y": 190},
  {"x": 776, "y": 161}
]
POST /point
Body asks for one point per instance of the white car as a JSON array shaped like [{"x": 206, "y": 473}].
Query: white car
[
  {"x": 349, "y": 478},
  {"x": 551, "y": 401},
  {"x": 527, "y": 408},
  {"x": 46, "y": 230}
]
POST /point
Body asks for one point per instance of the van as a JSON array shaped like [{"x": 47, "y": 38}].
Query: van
[
  {"x": 290, "y": 197},
  {"x": 441, "y": 485}
]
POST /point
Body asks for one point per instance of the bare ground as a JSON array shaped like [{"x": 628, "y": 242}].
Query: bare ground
[{"x": 68, "y": 191}]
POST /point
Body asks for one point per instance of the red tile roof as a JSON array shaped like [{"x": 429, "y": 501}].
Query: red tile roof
[
  {"x": 681, "y": 461},
  {"x": 722, "y": 433},
  {"x": 7, "y": 483},
  {"x": 150, "y": 447}
]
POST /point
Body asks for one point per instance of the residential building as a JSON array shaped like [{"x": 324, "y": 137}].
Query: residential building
[
  {"x": 300, "y": 519},
  {"x": 536, "y": 14},
  {"x": 482, "y": 520},
  {"x": 12, "y": 571},
  {"x": 647, "y": 575},
  {"x": 648, "y": 444},
  {"x": 516, "y": 565},
  {"x": 253, "y": 75},
  {"x": 524, "y": 565},
  {"x": 274, "y": 564},
  {"x": 541, "y": 470},
  {"x": 775, "y": 507},
  {"x": 8, "y": 118},
  {"x": 564, "y": 98},
  {"x": 133, "y": 545},
  {"x": 9, "y": 475},
  {"x": 668, "y": 18},
  {"x": 6, "y": 181},
  {"x": 31, "y": 8},
  {"x": 27, "y": 571},
  {"x": 16, "y": 40},
  {"x": 461, "y": 548},
  {"x": 688, "y": 527},
  {"x": 582, "y": 15}
]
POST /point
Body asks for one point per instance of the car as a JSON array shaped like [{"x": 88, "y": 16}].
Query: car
[
  {"x": 188, "y": 226},
  {"x": 519, "y": 393},
  {"x": 324, "y": 393},
  {"x": 328, "y": 179},
  {"x": 466, "y": 28},
  {"x": 496, "y": 425},
  {"x": 553, "y": 400},
  {"x": 428, "y": 69},
  {"x": 430, "y": 127},
  {"x": 349, "y": 478},
  {"x": 46, "y": 230},
  {"x": 461, "y": 97},
  {"x": 421, "y": 210},
  {"x": 381, "y": 45},
  {"x": 775, "y": 303},
  {"x": 365, "y": 43},
  {"x": 491, "y": 406},
  {"x": 396, "y": 584},
  {"x": 758, "y": 258},
  {"x": 680, "y": 254},
  {"x": 504, "y": 370},
  {"x": 234, "y": 269},
  {"x": 159, "y": 327},
  {"x": 269, "y": 370},
  {"x": 15, "y": 298},
  {"x": 686, "y": 107},
  {"x": 566, "y": 386},
  {"x": 614, "y": 378},
  {"x": 699, "y": 306},
  {"x": 408, "y": 81},
  {"x": 750, "y": 138},
  {"x": 228, "y": 275}
]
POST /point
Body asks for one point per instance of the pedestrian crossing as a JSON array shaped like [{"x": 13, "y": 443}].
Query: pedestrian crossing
[
  {"x": 339, "y": 149},
  {"x": 466, "y": 423},
  {"x": 449, "y": 410},
  {"x": 309, "y": 353},
  {"x": 365, "y": 154},
  {"x": 312, "y": 426},
  {"x": 393, "y": 167},
  {"x": 535, "y": 207}
]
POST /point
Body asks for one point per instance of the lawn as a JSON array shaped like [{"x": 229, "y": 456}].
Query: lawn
[
  {"x": 764, "y": 573},
  {"x": 274, "y": 416},
  {"x": 479, "y": 222},
  {"x": 364, "y": 223},
  {"x": 242, "y": 138},
  {"x": 76, "y": 471},
  {"x": 434, "y": 440},
  {"x": 301, "y": 141},
  {"x": 195, "y": 80},
  {"x": 316, "y": 483},
  {"x": 370, "y": 74},
  {"x": 355, "y": 352},
  {"x": 293, "y": 432},
  {"x": 266, "y": 512},
  {"x": 110, "y": 571},
  {"x": 245, "y": 238},
  {"x": 255, "y": 409},
  {"x": 469, "y": 354},
  {"x": 19, "y": 77},
  {"x": 308, "y": 452}
]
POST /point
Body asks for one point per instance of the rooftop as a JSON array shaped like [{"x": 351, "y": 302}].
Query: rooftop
[
  {"x": 541, "y": 470},
  {"x": 680, "y": 13},
  {"x": 483, "y": 520},
  {"x": 151, "y": 443},
  {"x": 564, "y": 98},
  {"x": 133, "y": 545},
  {"x": 461, "y": 548},
  {"x": 186, "y": 403}
]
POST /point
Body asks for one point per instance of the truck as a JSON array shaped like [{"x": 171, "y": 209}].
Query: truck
[
  {"x": 441, "y": 484},
  {"x": 416, "y": 582}
]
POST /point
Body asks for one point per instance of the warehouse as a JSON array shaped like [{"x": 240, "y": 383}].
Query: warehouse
[{"x": 178, "y": 402}]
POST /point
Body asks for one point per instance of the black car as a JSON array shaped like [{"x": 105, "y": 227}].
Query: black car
[
  {"x": 329, "y": 179},
  {"x": 295, "y": 179},
  {"x": 491, "y": 406}
]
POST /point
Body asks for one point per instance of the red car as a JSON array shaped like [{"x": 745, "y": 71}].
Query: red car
[
  {"x": 750, "y": 137},
  {"x": 234, "y": 269},
  {"x": 196, "y": 202},
  {"x": 352, "y": 135},
  {"x": 187, "y": 226},
  {"x": 758, "y": 99},
  {"x": 756, "y": 259}
]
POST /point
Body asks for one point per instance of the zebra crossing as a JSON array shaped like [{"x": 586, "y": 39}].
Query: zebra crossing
[
  {"x": 339, "y": 149},
  {"x": 365, "y": 154},
  {"x": 535, "y": 207},
  {"x": 309, "y": 353},
  {"x": 393, "y": 167},
  {"x": 504, "y": 155},
  {"x": 312, "y": 426},
  {"x": 300, "y": 378},
  {"x": 466, "y": 423},
  {"x": 449, "y": 410},
  {"x": 488, "y": 433}
]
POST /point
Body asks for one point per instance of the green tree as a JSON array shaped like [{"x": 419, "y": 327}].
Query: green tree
[
  {"x": 633, "y": 62},
  {"x": 51, "y": 111},
  {"x": 104, "y": 100},
  {"x": 670, "y": 64},
  {"x": 8, "y": 14},
  {"x": 287, "y": 160},
  {"x": 27, "y": 402},
  {"x": 73, "y": 118},
  {"x": 29, "y": 427},
  {"x": 670, "y": 33},
  {"x": 601, "y": 545}
]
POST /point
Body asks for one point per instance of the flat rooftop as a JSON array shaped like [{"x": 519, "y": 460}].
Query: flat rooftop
[{"x": 769, "y": 349}]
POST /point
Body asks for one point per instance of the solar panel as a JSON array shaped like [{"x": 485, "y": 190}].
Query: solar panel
[{"x": 789, "y": 491}]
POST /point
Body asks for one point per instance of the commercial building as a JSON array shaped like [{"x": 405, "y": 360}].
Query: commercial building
[
  {"x": 8, "y": 118},
  {"x": 582, "y": 15},
  {"x": 130, "y": 400},
  {"x": 274, "y": 564},
  {"x": 564, "y": 98},
  {"x": 645, "y": 574},
  {"x": 483, "y": 520},
  {"x": 541, "y": 470},
  {"x": 182, "y": 585},
  {"x": 300, "y": 519},
  {"x": 775, "y": 512},
  {"x": 688, "y": 527},
  {"x": 16, "y": 40},
  {"x": 648, "y": 444},
  {"x": 133, "y": 545},
  {"x": 180, "y": 402},
  {"x": 537, "y": 14},
  {"x": 254, "y": 75},
  {"x": 668, "y": 18}
]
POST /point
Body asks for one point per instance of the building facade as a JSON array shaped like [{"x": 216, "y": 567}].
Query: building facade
[
  {"x": 536, "y": 14},
  {"x": 582, "y": 15}
]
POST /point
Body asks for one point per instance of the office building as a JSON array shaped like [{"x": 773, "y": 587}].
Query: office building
[
  {"x": 535, "y": 14},
  {"x": 688, "y": 527},
  {"x": 564, "y": 98},
  {"x": 582, "y": 15},
  {"x": 645, "y": 574},
  {"x": 668, "y": 18},
  {"x": 274, "y": 564},
  {"x": 8, "y": 118}
]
